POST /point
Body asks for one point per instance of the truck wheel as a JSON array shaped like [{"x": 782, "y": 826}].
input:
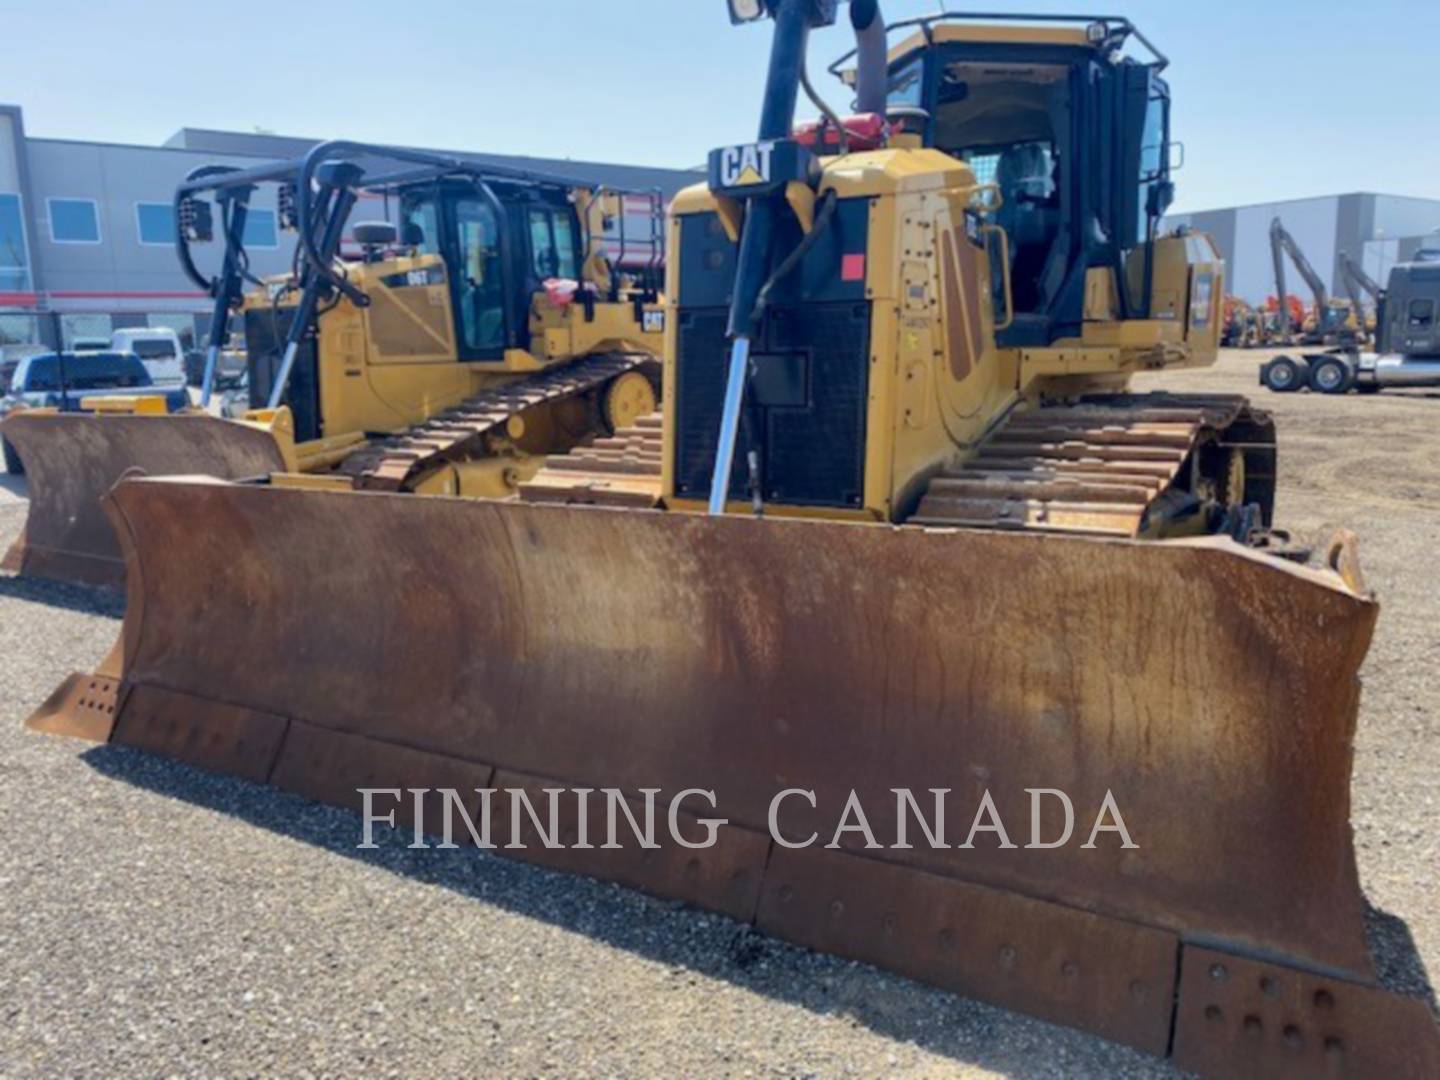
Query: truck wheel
[
  {"x": 1331, "y": 375},
  {"x": 1282, "y": 375},
  {"x": 12, "y": 460}
]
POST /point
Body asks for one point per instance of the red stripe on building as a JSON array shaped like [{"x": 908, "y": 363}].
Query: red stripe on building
[{"x": 128, "y": 295}]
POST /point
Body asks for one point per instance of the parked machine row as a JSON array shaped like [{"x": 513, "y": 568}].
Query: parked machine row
[
  {"x": 407, "y": 369},
  {"x": 1329, "y": 320}
]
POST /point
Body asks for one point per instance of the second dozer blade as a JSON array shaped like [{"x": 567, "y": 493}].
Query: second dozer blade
[{"x": 72, "y": 459}]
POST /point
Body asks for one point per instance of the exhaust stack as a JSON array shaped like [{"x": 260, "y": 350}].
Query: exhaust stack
[{"x": 872, "y": 61}]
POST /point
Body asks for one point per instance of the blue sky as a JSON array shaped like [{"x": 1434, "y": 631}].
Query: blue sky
[{"x": 1274, "y": 99}]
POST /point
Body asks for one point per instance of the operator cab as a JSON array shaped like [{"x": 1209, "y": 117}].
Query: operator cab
[
  {"x": 458, "y": 223},
  {"x": 1034, "y": 111}
]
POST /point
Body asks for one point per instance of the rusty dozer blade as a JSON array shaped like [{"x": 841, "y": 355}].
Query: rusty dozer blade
[
  {"x": 340, "y": 641},
  {"x": 72, "y": 459}
]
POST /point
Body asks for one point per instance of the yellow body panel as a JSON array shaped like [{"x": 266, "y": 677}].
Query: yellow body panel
[
  {"x": 136, "y": 405},
  {"x": 312, "y": 481},
  {"x": 945, "y": 33}
]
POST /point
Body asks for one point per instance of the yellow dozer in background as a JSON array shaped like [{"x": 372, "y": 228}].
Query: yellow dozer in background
[
  {"x": 901, "y": 527},
  {"x": 493, "y": 326}
]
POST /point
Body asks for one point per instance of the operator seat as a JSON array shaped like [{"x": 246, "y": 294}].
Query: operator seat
[{"x": 1030, "y": 217}]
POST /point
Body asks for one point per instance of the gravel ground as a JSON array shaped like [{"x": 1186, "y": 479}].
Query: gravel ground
[{"x": 160, "y": 921}]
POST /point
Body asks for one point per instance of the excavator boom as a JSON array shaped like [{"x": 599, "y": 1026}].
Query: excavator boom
[
  {"x": 1356, "y": 275},
  {"x": 1284, "y": 245}
]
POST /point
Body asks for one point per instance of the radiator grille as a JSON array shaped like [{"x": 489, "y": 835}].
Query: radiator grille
[
  {"x": 265, "y": 331},
  {"x": 813, "y": 453}
]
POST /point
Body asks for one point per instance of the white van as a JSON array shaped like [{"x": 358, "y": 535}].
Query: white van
[{"x": 159, "y": 350}]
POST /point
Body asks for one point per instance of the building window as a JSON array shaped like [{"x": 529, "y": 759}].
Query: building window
[
  {"x": 155, "y": 223},
  {"x": 260, "y": 229},
  {"x": 74, "y": 221},
  {"x": 17, "y": 330},
  {"x": 14, "y": 254}
]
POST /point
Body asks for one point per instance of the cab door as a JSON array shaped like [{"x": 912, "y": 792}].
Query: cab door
[{"x": 476, "y": 257}]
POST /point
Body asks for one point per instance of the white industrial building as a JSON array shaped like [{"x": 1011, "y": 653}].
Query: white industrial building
[{"x": 1378, "y": 230}]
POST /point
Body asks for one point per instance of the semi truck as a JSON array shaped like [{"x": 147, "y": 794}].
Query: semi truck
[{"x": 1407, "y": 342}]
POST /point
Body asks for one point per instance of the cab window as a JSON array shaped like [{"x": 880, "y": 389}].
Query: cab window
[
  {"x": 907, "y": 86},
  {"x": 565, "y": 245},
  {"x": 1153, "y": 149},
  {"x": 420, "y": 225},
  {"x": 40, "y": 375},
  {"x": 999, "y": 118},
  {"x": 552, "y": 244},
  {"x": 153, "y": 349}
]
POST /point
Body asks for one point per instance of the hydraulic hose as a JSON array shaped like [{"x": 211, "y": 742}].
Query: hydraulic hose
[
  {"x": 820, "y": 103},
  {"x": 829, "y": 201},
  {"x": 748, "y": 422}
]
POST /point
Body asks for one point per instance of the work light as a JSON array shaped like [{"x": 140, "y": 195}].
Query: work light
[
  {"x": 197, "y": 224},
  {"x": 287, "y": 207},
  {"x": 743, "y": 11}
]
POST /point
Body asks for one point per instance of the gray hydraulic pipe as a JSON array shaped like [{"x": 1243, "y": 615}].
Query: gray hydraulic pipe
[
  {"x": 282, "y": 379},
  {"x": 212, "y": 361},
  {"x": 729, "y": 424}
]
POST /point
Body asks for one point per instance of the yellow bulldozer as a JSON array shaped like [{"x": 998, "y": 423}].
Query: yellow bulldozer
[
  {"x": 900, "y": 543},
  {"x": 508, "y": 315}
]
